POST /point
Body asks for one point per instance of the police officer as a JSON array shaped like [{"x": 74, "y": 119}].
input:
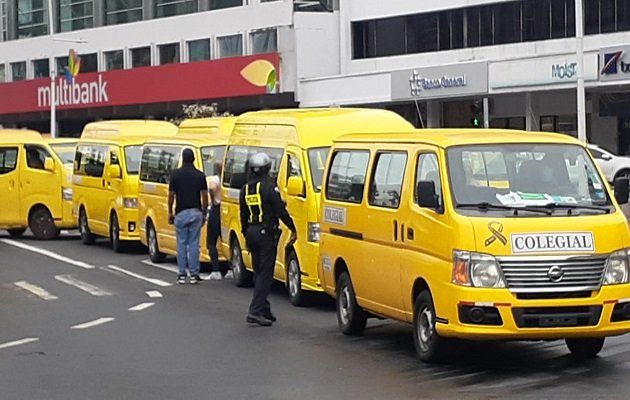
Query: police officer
[{"x": 261, "y": 207}]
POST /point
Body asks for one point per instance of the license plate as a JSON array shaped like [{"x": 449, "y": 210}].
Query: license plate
[{"x": 557, "y": 321}]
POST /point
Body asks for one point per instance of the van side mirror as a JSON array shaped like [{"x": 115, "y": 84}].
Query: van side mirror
[
  {"x": 606, "y": 157},
  {"x": 114, "y": 171},
  {"x": 49, "y": 164},
  {"x": 427, "y": 198},
  {"x": 295, "y": 186},
  {"x": 622, "y": 190}
]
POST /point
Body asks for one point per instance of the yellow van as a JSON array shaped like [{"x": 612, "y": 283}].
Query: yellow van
[
  {"x": 35, "y": 183},
  {"x": 298, "y": 142},
  {"x": 415, "y": 228},
  {"x": 159, "y": 158},
  {"x": 105, "y": 180}
]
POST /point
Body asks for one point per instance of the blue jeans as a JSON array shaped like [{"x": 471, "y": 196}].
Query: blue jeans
[{"x": 188, "y": 225}]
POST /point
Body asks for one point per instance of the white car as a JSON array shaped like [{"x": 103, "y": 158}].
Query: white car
[{"x": 611, "y": 165}]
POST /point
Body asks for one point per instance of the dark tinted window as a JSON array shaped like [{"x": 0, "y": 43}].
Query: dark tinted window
[
  {"x": 607, "y": 16},
  {"x": 89, "y": 63},
  {"x": 158, "y": 162},
  {"x": 90, "y": 160},
  {"x": 235, "y": 169},
  {"x": 591, "y": 17},
  {"x": 387, "y": 179},
  {"x": 507, "y": 23},
  {"x": 36, "y": 156},
  {"x": 391, "y": 37},
  {"x": 346, "y": 179},
  {"x": 428, "y": 169},
  {"x": 422, "y": 33},
  {"x": 217, "y": 4},
  {"x": 472, "y": 27},
  {"x": 141, "y": 57},
  {"x": 8, "y": 159}
]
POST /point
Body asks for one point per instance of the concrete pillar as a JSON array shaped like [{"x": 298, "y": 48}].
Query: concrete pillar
[
  {"x": 531, "y": 118},
  {"x": 98, "y": 6},
  {"x": 434, "y": 114},
  {"x": 148, "y": 9},
  {"x": 12, "y": 20}
]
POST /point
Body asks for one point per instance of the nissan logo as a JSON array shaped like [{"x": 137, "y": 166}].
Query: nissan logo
[{"x": 555, "y": 274}]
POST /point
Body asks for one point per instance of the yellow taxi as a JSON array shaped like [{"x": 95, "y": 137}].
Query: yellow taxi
[
  {"x": 298, "y": 142},
  {"x": 105, "y": 179},
  {"x": 416, "y": 228},
  {"x": 35, "y": 179}
]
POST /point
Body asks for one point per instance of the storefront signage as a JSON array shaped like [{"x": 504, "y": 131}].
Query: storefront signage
[
  {"x": 240, "y": 76},
  {"x": 434, "y": 82},
  {"x": 614, "y": 63}
]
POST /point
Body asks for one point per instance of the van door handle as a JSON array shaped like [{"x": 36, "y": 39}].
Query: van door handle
[
  {"x": 410, "y": 234},
  {"x": 402, "y": 232},
  {"x": 103, "y": 183},
  {"x": 395, "y": 231}
]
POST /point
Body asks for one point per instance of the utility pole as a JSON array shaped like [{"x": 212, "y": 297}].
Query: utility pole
[
  {"x": 581, "y": 93},
  {"x": 53, "y": 100}
]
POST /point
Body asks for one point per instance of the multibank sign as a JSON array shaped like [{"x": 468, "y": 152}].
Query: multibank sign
[{"x": 240, "y": 76}]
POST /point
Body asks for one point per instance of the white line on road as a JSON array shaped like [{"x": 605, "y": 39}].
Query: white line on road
[
  {"x": 36, "y": 290},
  {"x": 154, "y": 294},
  {"x": 96, "y": 322},
  {"x": 18, "y": 342},
  {"x": 168, "y": 268},
  {"x": 47, "y": 253},
  {"x": 141, "y": 306},
  {"x": 86, "y": 287},
  {"x": 157, "y": 282}
]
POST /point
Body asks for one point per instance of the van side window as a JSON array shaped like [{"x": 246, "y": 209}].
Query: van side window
[
  {"x": 293, "y": 165},
  {"x": 36, "y": 156},
  {"x": 8, "y": 159},
  {"x": 90, "y": 160},
  {"x": 235, "y": 169},
  {"x": 212, "y": 157},
  {"x": 346, "y": 179},
  {"x": 387, "y": 179},
  {"x": 158, "y": 162},
  {"x": 428, "y": 170}
]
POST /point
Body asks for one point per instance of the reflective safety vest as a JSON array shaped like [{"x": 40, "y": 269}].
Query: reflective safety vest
[{"x": 254, "y": 201}]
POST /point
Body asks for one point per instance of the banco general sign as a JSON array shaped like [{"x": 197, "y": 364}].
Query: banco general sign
[
  {"x": 436, "y": 82},
  {"x": 614, "y": 64}
]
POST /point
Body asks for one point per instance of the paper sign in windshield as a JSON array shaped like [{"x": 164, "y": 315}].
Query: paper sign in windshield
[
  {"x": 519, "y": 199},
  {"x": 552, "y": 242}
]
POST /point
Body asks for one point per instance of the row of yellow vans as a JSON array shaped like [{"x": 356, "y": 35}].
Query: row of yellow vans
[{"x": 480, "y": 234}]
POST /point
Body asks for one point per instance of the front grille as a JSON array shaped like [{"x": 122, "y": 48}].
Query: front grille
[
  {"x": 556, "y": 317},
  {"x": 554, "y": 295},
  {"x": 553, "y": 274}
]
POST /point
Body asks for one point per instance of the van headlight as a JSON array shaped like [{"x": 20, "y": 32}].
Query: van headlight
[
  {"x": 617, "y": 268},
  {"x": 313, "y": 232},
  {"x": 477, "y": 270},
  {"x": 130, "y": 202},
  {"x": 66, "y": 194}
]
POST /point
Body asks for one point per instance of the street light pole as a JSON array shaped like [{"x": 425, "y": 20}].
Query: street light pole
[
  {"x": 581, "y": 92},
  {"x": 53, "y": 100}
]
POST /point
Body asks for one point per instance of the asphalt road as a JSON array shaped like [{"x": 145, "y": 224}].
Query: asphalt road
[{"x": 67, "y": 332}]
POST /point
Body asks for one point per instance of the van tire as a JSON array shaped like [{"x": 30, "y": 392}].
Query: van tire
[
  {"x": 585, "y": 348},
  {"x": 114, "y": 234},
  {"x": 16, "y": 232},
  {"x": 624, "y": 173},
  {"x": 155, "y": 254},
  {"x": 351, "y": 318},
  {"x": 42, "y": 224},
  {"x": 297, "y": 296},
  {"x": 242, "y": 277},
  {"x": 87, "y": 237},
  {"x": 429, "y": 345}
]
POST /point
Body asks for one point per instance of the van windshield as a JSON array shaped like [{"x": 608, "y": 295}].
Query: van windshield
[
  {"x": 317, "y": 161},
  {"x": 133, "y": 156},
  {"x": 65, "y": 151},
  {"x": 552, "y": 178}
]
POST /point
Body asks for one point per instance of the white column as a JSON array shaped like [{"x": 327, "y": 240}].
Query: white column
[
  {"x": 434, "y": 119},
  {"x": 53, "y": 111},
  {"x": 581, "y": 93},
  {"x": 531, "y": 121}
]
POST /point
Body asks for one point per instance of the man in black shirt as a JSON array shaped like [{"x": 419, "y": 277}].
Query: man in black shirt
[
  {"x": 261, "y": 207},
  {"x": 188, "y": 189}
]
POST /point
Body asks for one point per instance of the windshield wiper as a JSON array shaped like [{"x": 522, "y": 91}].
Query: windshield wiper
[
  {"x": 489, "y": 206},
  {"x": 570, "y": 206}
]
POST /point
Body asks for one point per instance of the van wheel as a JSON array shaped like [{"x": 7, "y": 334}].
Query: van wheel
[
  {"x": 297, "y": 296},
  {"x": 351, "y": 318},
  {"x": 114, "y": 234},
  {"x": 87, "y": 237},
  {"x": 242, "y": 277},
  {"x": 429, "y": 345},
  {"x": 585, "y": 348},
  {"x": 16, "y": 233},
  {"x": 42, "y": 224},
  {"x": 155, "y": 254}
]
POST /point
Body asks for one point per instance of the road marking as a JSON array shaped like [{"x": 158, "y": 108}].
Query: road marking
[
  {"x": 141, "y": 306},
  {"x": 36, "y": 290},
  {"x": 86, "y": 287},
  {"x": 18, "y": 342},
  {"x": 96, "y": 322},
  {"x": 47, "y": 253},
  {"x": 168, "y": 268},
  {"x": 157, "y": 282},
  {"x": 154, "y": 294}
]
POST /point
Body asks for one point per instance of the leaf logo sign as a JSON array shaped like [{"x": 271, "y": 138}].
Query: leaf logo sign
[{"x": 261, "y": 73}]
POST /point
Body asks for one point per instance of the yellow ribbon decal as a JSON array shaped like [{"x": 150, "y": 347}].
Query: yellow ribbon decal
[{"x": 496, "y": 228}]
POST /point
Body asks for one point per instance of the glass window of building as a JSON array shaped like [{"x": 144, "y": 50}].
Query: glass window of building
[
  {"x": 114, "y": 60},
  {"x": 168, "y": 8},
  {"x": 76, "y": 14},
  {"x": 18, "y": 71},
  {"x": 169, "y": 53},
  {"x": 198, "y": 50},
  {"x": 122, "y": 11},
  {"x": 422, "y": 33},
  {"x": 507, "y": 23},
  {"x": 141, "y": 57},
  {"x": 394, "y": 43},
  {"x": 32, "y": 18},
  {"x": 604, "y": 16},
  {"x": 264, "y": 41},
  {"x": 89, "y": 63},
  {"x": 60, "y": 64},
  {"x": 3, "y": 77},
  {"x": 41, "y": 68},
  {"x": 623, "y": 15},
  {"x": 230, "y": 46},
  {"x": 3, "y": 20},
  {"x": 218, "y": 4}
]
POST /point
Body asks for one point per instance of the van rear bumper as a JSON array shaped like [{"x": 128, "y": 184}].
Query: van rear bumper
[{"x": 499, "y": 314}]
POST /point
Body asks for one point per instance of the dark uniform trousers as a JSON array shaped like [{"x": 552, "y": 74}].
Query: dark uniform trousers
[{"x": 263, "y": 246}]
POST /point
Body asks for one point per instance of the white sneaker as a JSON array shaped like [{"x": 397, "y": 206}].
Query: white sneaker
[
  {"x": 229, "y": 275},
  {"x": 215, "y": 276}
]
